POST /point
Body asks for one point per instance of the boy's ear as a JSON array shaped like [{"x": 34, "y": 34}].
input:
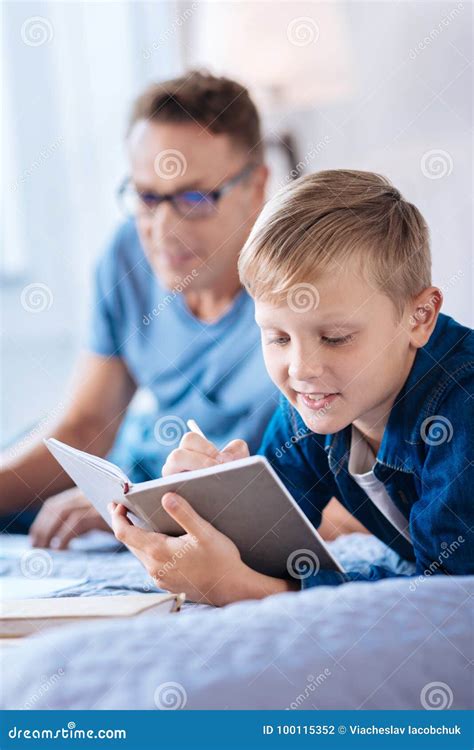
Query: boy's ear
[{"x": 423, "y": 314}]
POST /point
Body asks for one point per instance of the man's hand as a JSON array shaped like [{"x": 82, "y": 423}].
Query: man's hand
[
  {"x": 203, "y": 563},
  {"x": 63, "y": 517},
  {"x": 195, "y": 452}
]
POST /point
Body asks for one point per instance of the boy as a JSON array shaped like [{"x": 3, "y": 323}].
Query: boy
[{"x": 376, "y": 385}]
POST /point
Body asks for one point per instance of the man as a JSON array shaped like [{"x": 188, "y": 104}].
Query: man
[{"x": 169, "y": 314}]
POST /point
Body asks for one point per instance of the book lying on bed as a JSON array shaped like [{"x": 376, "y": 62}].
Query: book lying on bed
[
  {"x": 21, "y": 617},
  {"x": 244, "y": 499}
]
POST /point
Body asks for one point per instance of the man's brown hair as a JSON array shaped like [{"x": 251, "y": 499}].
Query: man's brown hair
[
  {"x": 322, "y": 222},
  {"x": 217, "y": 104}
]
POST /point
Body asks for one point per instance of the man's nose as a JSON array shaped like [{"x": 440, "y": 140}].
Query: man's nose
[{"x": 165, "y": 220}]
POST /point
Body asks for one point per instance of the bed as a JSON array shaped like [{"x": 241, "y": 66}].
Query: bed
[{"x": 394, "y": 644}]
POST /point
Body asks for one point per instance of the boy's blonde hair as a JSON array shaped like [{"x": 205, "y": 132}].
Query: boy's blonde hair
[{"x": 321, "y": 221}]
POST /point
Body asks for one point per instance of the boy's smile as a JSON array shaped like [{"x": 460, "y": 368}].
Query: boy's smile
[
  {"x": 344, "y": 359},
  {"x": 317, "y": 401}
]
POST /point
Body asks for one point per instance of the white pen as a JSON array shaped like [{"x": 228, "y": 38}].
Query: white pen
[{"x": 194, "y": 427}]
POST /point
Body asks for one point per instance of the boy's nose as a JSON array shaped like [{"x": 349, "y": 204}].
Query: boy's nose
[{"x": 304, "y": 369}]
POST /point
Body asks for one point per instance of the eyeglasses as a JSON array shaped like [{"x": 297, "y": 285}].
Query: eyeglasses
[{"x": 190, "y": 204}]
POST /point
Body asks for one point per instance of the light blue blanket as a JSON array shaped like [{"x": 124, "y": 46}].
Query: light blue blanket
[{"x": 398, "y": 643}]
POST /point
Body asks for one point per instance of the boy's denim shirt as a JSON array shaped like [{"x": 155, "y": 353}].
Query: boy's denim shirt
[{"x": 426, "y": 462}]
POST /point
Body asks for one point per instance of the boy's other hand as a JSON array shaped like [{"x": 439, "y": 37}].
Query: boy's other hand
[
  {"x": 196, "y": 452},
  {"x": 63, "y": 517},
  {"x": 203, "y": 563}
]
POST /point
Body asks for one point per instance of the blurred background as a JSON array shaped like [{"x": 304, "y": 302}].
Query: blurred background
[{"x": 382, "y": 86}]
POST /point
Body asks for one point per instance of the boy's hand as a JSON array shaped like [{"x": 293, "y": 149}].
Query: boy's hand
[
  {"x": 203, "y": 563},
  {"x": 195, "y": 452},
  {"x": 63, "y": 517}
]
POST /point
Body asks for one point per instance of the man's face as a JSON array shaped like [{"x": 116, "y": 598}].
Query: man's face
[
  {"x": 337, "y": 352},
  {"x": 167, "y": 158}
]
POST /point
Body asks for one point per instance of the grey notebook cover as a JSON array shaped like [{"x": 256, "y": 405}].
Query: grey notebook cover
[{"x": 243, "y": 499}]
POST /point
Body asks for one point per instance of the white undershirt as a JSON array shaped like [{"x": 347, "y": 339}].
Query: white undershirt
[{"x": 361, "y": 469}]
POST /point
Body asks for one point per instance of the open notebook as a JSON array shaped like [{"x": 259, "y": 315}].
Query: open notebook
[
  {"x": 244, "y": 499},
  {"x": 23, "y": 617}
]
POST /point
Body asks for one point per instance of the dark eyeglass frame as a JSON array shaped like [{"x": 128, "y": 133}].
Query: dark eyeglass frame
[{"x": 212, "y": 197}]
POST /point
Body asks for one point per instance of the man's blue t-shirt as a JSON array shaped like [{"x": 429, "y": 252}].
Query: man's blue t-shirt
[{"x": 211, "y": 372}]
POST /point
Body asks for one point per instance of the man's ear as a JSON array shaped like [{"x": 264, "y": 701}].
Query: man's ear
[
  {"x": 423, "y": 313},
  {"x": 260, "y": 180}
]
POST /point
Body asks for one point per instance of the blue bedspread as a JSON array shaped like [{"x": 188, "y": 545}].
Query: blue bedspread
[{"x": 389, "y": 644}]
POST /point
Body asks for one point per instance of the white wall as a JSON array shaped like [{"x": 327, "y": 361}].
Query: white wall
[
  {"x": 407, "y": 102},
  {"x": 71, "y": 71},
  {"x": 392, "y": 85}
]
